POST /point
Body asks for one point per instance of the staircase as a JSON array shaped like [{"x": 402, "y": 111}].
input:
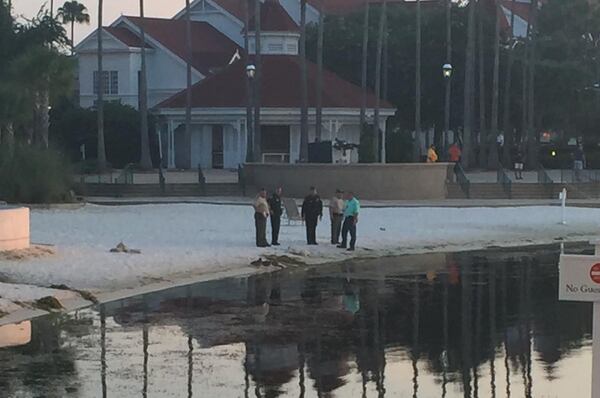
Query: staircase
[{"x": 150, "y": 190}]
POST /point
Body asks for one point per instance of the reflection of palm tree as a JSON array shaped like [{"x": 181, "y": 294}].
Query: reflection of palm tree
[{"x": 415, "y": 347}]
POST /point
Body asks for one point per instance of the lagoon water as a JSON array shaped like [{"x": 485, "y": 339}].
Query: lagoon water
[{"x": 475, "y": 324}]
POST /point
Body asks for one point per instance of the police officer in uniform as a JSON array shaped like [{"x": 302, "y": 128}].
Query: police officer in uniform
[
  {"x": 276, "y": 212},
  {"x": 312, "y": 212}
]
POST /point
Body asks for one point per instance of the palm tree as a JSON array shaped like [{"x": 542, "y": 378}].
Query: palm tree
[
  {"x": 101, "y": 157},
  {"x": 145, "y": 161},
  {"x": 365, "y": 55},
  {"x": 249, "y": 127},
  {"x": 448, "y": 80},
  {"x": 532, "y": 136},
  {"x": 506, "y": 114},
  {"x": 70, "y": 13},
  {"x": 493, "y": 156},
  {"x": 378, "y": 61},
  {"x": 417, "y": 144},
  {"x": 319, "y": 88},
  {"x": 484, "y": 143},
  {"x": 188, "y": 102},
  {"x": 257, "y": 82},
  {"x": 304, "y": 86},
  {"x": 469, "y": 85}
]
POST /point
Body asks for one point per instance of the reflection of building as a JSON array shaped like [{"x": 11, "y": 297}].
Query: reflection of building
[
  {"x": 15, "y": 334},
  {"x": 219, "y": 95}
]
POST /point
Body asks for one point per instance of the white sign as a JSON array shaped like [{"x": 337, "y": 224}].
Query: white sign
[{"x": 579, "y": 278}]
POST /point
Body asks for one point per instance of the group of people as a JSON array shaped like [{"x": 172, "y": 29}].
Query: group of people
[{"x": 343, "y": 213}]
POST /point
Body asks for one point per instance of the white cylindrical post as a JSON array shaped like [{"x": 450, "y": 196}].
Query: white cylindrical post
[
  {"x": 563, "y": 205},
  {"x": 596, "y": 344}
]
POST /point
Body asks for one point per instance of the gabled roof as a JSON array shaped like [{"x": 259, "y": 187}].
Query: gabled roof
[
  {"x": 274, "y": 18},
  {"x": 280, "y": 88},
  {"x": 125, "y": 36},
  {"x": 210, "y": 48}
]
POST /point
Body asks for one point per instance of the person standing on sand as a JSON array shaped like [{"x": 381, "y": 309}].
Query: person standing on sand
[
  {"x": 276, "y": 212},
  {"x": 261, "y": 213},
  {"x": 336, "y": 214},
  {"x": 312, "y": 212},
  {"x": 350, "y": 220}
]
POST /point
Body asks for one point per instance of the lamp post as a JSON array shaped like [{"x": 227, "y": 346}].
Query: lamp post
[
  {"x": 250, "y": 73},
  {"x": 447, "y": 73}
]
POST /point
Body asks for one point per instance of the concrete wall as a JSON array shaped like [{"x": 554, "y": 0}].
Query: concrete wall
[
  {"x": 14, "y": 228},
  {"x": 409, "y": 181}
]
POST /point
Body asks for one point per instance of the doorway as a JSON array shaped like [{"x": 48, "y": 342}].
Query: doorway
[
  {"x": 217, "y": 147},
  {"x": 275, "y": 144}
]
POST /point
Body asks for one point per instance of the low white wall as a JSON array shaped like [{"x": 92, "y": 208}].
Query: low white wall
[{"x": 14, "y": 228}]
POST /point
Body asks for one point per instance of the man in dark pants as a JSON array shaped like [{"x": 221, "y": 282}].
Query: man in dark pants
[
  {"x": 350, "y": 220},
  {"x": 312, "y": 211},
  {"x": 261, "y": 213},
  {"x": 276, "y": 212}
]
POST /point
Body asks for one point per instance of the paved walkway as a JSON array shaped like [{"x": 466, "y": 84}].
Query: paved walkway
[
  {"x": 243, "y": 201},
  {"x": 478, "y": 176}
]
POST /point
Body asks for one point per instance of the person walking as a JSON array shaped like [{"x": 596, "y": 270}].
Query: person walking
[
  {"x": 276, "y": 212},
  {"x": 312, "y": 212},
  {"x": 432, "y": 156},
  {"x": 518, "y": 163},
  {"x": 578, "y": 162},
  {"x": 454, "y": 153},
  {"x": 336, "y": 215},
  {"x": 350, "y": 220},
  {"x": 261, "y": 213}
]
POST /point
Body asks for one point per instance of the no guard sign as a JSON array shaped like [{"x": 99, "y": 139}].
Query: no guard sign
[
  {"x": 579, "y": 278},
  {"x": 595, "y": 273}
]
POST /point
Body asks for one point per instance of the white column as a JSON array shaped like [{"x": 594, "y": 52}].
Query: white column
[
  {"x": 383, "y": 123},
  {"x": 171, "y": 136}
]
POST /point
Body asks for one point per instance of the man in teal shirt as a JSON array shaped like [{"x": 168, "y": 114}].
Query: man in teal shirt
[{"x": 350, "y": 220}]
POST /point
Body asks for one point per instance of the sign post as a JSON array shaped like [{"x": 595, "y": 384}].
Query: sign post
[{"x": 579, "y": 280}]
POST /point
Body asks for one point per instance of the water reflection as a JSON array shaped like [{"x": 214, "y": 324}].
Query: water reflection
[{"x": 469, "y": 324}]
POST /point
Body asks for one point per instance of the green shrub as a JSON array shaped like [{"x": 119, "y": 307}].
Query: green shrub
[{"x": 33, "y": 175}]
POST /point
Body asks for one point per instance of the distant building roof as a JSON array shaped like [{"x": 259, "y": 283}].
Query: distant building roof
[
  {"x": 210, "y": 48},
  {"x": 125, "y": 36},
  {"x": 280, "y": 88},
  {"x": 274, "y": 18}
]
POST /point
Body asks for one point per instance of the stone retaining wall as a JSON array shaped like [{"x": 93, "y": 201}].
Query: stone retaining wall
[{"x": 410, "y": 181}]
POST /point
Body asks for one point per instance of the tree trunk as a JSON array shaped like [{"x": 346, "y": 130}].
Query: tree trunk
[
  {"x": 484, "y": 140},
  {"x": 101, "y": 155},
  {"x": 145, "y": 160},
  {"x": 249, "y": 93},
  {"x": 509, "y": 137},
  {"x": 304, "y": 86},
  {"x": 532, "y": 136},
  {"x": 9, "y": 135},
  {"x": 257, "y": 83},
  {"x": 493, "y": 157},
  {"x": 469, "y": 85},
  {"x": 417, "y": 143},
  {"x": 188, "y": 99},
  {"x": 365, "y": 56},
  {"x": 449, "y": 79},
  {"x": 386, "y": 62},
  {"x": 44, "y": 118},
  {"x": 319, "y": 88},
  {"x": 72, "y": 37},
  {"x": 376, "y": 129}
]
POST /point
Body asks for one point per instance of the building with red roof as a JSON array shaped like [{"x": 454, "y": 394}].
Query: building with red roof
[{"x": 219, "y": 95}]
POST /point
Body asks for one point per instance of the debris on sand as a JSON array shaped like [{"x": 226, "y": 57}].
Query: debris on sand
[
  {"x": 35, "y": 251},
  {"x": 121, "y": 248},
  {"x": 48, "y": 303}
]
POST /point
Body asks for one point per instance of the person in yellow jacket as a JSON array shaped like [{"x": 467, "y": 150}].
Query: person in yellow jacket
[{"x": 432, "y": 156}]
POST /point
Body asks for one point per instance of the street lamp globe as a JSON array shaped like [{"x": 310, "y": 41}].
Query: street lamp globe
[
  {"x": 447, "y": 71},
  {"x": 250, "y": 71}
]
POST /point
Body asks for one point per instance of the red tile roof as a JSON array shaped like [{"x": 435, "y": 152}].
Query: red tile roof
[
  {"x": 280, "y": 88},
  {"x": 274, "y": 18},
  {"x": 210, "y": 48},
  {"x": 125, "y": 36}
]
